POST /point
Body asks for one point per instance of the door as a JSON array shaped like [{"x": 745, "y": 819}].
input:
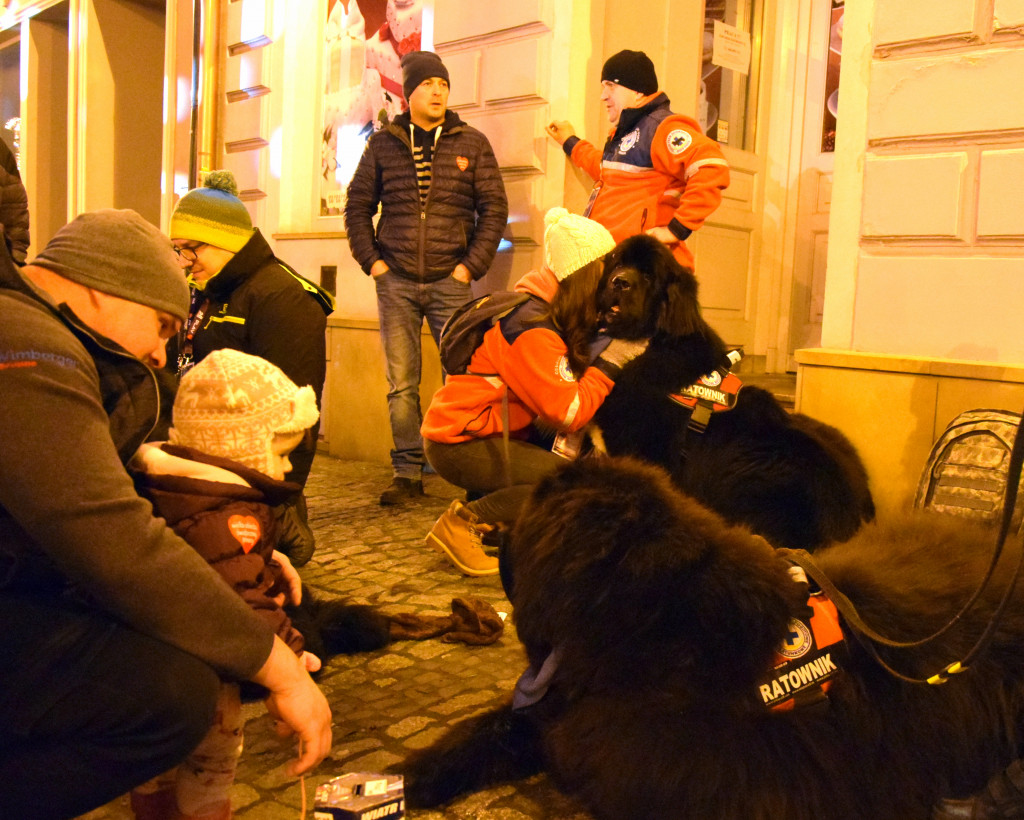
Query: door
[
  {"x": 727, "y": 247},
  {"x": 814, "y": 186}
]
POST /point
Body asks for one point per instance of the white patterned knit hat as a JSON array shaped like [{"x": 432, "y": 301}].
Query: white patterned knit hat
[
  {"x": 231, "y": 404},
  {"x": 572, "y": 242}
]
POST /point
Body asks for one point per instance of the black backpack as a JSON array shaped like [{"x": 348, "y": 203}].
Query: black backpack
[
  {"x": 465, "y": 328},
  {"x": 967, "y": 469}
]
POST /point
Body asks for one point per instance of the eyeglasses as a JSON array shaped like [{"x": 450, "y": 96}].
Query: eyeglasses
[{"x": 188, "y": 253}]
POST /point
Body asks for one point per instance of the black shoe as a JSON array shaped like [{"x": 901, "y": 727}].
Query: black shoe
[{"x": 401, "y": 490}]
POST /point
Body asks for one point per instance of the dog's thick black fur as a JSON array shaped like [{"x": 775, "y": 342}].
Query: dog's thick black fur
[
  {"x": 665, "y": 617},
  {"x": 329, "y": 627},
  {"x": 332, "y": 626},
  {"x": 794, "y": 480}
]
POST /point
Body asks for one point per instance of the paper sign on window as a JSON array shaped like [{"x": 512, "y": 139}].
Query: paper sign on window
[{"x": 731, "y": 48}]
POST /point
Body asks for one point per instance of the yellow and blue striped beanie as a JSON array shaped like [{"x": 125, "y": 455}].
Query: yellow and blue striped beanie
[{"x": 213, "y": 214}]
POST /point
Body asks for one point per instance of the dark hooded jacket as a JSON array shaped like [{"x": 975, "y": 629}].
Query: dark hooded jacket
[
  {"x": 258, "y": 305},
  {"x": 464, "y": 214}
]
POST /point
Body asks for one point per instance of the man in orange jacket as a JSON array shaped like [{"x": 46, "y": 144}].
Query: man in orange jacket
[{"x": 658, "y": 173}]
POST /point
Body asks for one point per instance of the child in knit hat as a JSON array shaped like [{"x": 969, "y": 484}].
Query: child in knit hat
[
  {"x": 538, "y": 367},
  {"x": 236, "y": 418}
]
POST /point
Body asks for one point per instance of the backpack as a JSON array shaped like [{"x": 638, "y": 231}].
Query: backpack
[
  {"x": 967, "y": 469},
  {"x": 465, "y": 328}
]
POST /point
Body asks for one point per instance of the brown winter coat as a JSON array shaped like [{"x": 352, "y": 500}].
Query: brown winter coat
[{"x": 231, "y": 525}]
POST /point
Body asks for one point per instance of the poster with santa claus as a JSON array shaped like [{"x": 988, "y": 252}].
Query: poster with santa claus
[{"x": 364, "y": 41}]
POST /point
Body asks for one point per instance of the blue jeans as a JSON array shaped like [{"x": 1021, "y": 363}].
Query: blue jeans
[{"x": 402, "y": 305}]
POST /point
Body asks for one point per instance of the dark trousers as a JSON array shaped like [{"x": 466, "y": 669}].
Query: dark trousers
[
  {"x": 89, "y": 708},
  {"x": 480, "y": 466}
]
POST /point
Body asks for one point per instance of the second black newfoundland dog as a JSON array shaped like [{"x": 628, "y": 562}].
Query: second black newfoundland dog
[
  {"x": 794, "y": 480},
  {"x": 653, "y": 628}
]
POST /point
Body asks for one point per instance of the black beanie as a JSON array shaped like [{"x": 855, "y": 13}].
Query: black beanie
[
  {"x": 418, "y": 66},
  {"x": 631, "y": 69}
]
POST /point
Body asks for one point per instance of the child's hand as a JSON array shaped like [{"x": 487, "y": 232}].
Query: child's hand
[{"x": 289, "y": 579}]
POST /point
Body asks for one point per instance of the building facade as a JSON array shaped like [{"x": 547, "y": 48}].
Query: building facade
[{"x": 874, "y": 252}]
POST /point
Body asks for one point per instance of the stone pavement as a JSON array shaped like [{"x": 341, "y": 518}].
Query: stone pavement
[{"x": 400, "y": 698}]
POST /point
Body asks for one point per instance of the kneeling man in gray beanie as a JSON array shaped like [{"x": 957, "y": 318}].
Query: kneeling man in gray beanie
[{"x": 110, "y": 672}]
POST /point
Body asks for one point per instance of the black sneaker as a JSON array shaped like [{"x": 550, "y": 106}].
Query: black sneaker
[{"x": 401, "y": 490}]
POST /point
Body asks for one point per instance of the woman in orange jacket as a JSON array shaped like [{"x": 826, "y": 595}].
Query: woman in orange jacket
[{"x": 540, "y": 367}]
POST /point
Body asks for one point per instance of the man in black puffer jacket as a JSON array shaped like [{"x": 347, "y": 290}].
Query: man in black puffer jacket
[{"x": 443, "y": 211}]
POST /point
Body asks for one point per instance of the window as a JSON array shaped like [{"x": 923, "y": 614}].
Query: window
[{"x": 730, "y": 59}]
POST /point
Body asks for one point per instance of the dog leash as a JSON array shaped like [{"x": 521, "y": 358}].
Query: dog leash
[{"x": 868, "y": 637}]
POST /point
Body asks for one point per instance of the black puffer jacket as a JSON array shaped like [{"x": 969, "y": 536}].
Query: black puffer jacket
[
  {"x": 13, "y": 206},
  {"x": 462, "y": 220}
]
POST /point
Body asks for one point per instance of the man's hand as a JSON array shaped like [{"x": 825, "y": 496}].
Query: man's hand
[
  {"x": 663, "y": 235},
  {"x": 379, "y": 268},
  {"x": 461, "y": 273},
  {"x": 560, "y": 131},
  {"x": 297, "y": 704}
]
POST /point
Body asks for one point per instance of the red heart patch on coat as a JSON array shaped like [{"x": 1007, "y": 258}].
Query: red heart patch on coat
[
  {"x": 245, "y": 530},
  {"x": 462, "y": 162}
]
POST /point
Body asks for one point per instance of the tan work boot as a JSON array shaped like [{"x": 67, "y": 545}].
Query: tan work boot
[{"x": 457, "y": 534}]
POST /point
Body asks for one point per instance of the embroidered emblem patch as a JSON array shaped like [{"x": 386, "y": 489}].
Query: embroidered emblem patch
[
  {"x": 462, "y": 162},
  {"x": 678, "y": 141},
  {"x": 563, "y": 369},
  {"x": 797, "y": 642},
  {"x": 245, "y": 530},
  {"x": 712, "y": 379},
  {"x": 629, "y": 140}
]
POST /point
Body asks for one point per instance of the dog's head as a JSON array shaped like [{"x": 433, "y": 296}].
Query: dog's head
[
  {"x": 645, "y": 291},
  {"x": 635, "y": 582}
]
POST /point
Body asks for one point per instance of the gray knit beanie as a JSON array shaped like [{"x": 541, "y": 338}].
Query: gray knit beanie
[{"x": 120, "y": 253}]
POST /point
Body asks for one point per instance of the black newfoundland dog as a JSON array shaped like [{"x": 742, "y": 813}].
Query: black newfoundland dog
[
  {"x": 652, "y": 627},
  {"x": 794, "y": 480}
]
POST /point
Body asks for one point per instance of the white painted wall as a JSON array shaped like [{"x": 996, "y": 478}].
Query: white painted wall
[{"x": 926, "y": 252}]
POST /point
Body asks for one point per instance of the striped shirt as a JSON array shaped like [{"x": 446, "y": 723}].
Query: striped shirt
[{"x": 423, "y": 143}]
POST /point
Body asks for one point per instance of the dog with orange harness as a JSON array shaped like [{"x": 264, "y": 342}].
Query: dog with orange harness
[{"x": 656, "y": 636}]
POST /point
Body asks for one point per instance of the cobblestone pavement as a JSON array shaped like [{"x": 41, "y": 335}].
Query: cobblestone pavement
[{"x": 400, "y": 698}]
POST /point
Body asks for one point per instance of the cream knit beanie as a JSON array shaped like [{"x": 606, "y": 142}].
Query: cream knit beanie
[
  {"x": 231, "y": 404},
  {"x": 213, "y": 214},
  {"x": 572, "y": 241}
]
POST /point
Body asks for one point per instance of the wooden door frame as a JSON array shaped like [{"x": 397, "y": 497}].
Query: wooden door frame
[{"x": 781, "y": 123}]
